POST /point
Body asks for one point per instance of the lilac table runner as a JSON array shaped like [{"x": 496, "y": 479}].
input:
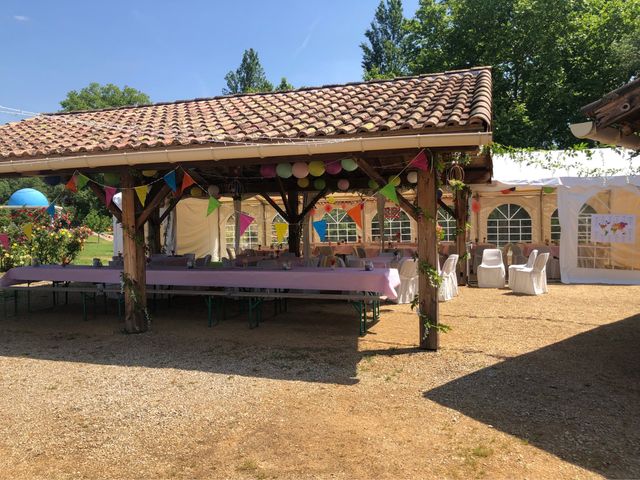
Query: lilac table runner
[{"x": 380, "y": 280}]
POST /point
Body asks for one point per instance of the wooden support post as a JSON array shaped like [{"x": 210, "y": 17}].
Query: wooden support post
[
  {"x": 295, "y": 228},
  {"x": 153, "y": 232},
  {"x": 135, "y": 298},
  {"x": 428, "y": 253},
  {"x": 461, "y": 199}
]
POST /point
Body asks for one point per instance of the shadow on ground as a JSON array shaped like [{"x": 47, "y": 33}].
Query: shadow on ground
[
  {"x": 578, "y": 399},
  {"x": 314, "y": 342}
]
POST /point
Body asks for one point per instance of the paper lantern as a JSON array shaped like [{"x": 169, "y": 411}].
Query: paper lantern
[
  {"x": 284, "y": 170},
  {"x": 316, "y": 168},
  {"x": 333, "y": 168},
  {"x": 111, "y": 178},
  {"x": 300, "y": 169},
  {"x": 149, "y": 173},
  {"x": 52, "y": 180},
  {"x": 319, "y": 184},
  {"x": 349, "y": 164},
  {"x": 331, "y": 199},
  {"x": 412, "y": 177},
  {"x": 394, "y": 180},
  {"x": 268, "y": 171},
  {"x": 475, "y": 206},
  {"x": 343, "y": 184},
  {"x": 213, "y": 190},
  {"x": 303, "y": 182},
  {"x": 373, "y": 184},
  {"x": 196, "y": 192}
]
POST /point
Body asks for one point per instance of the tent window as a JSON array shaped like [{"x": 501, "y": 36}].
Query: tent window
[
  {"x": 555, "y": 226},
  {"x": 274, "y": 237},
  {"x": 340, "y": 226},
  {"x": 397, "y": 227},
  {"x": 448, "y": 224},
  {"x": 249, "y": 238},
  {"x": 508, "y": 223}
]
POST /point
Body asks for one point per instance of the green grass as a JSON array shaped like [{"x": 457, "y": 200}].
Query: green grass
[{"x": 93, "y": 248}]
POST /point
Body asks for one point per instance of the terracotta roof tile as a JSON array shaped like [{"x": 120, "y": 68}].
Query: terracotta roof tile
[{"x": 412, "y": 104}]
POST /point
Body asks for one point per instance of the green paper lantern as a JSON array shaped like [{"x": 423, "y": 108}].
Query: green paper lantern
[
  {"x": 548, "y": 189},
  {"x": 349, "y": 164},
  {"x": 373, "y": 185},
  {"x": 303, "y": 182},
  {"x": 394, "y": 180},
  {"x": 284, "y": 170},
  {"x": 319, "y": 183}
]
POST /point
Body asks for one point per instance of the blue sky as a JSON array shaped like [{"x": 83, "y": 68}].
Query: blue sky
[{"x": 173, "y": 50}]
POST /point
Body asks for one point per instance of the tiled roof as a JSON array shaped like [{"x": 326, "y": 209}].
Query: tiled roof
[{"x": 422, "y": 104}]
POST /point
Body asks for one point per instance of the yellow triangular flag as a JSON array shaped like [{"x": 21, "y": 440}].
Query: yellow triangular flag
[
  {"x": 27, "y": 228},
  {"x": 142, "y": 191},
  {"x": 281, "y": 230}
]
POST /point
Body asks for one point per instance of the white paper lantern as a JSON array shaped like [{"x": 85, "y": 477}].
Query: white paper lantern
[
  {"x": 412, "y": 177},
  {"x": 213, "y": 190}
]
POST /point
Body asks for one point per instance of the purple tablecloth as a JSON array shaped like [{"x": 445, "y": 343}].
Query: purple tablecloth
[{"x": 381, "y": 280}]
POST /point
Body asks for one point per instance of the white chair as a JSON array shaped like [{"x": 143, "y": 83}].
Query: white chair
[
  {"x": 231, "y": 251},
  {"x": 532, "y": 281},
  {"x": 454, "y": 273},
  {"x": 446, "y": 290},
  {"x": 529, "y": 264},
  {"x": 354, "y": 262},
  {"x": 408, "y": 281},
  {"x": 491, "y": 271}
]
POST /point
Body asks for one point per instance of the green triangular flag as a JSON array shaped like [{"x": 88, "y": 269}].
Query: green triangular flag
[
  {"x": 213, "y": 204},
  {"x": 389, "y": 191},
  {"x": 81, "y": 180}
]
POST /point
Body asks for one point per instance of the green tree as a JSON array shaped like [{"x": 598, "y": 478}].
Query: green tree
[
  {"x": 549, "y": 57},
  {"x": 97, "y": 96},
  {"x": 383, "y": 56},
  {"x": 249, "y": 77},
  {"x": 284, "y": 85}
]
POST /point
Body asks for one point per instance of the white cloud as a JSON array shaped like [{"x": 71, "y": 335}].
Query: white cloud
[
  {"x": 306, "y": 40},
  {"x": 21, "y": 18}
]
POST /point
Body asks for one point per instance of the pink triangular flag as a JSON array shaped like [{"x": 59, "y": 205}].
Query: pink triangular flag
[
  {"x": 420, "y": 161},
  {"x": 109, "y": 192},
  {"x": 245, "y": 221}
]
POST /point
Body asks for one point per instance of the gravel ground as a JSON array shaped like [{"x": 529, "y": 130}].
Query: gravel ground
[{"x": 523, "y": 387}]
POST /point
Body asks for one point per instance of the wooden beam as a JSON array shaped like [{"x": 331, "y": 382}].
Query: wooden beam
[
  {"x": 158, "y": 197},
  {"x": 283, "y": 196},
  {"x": 312, "y": 203},
  {"x": 461, "y": 203},
  {"x": 447, "y": 208},
  {"x": 406, "y": 205},
  {"x": 277, "y": 207},
  {"x": 427, "y": 255},
  {"x": 169, "y": 209},
  {"x": 112, "y": 207},
  {"x": 135, "y": 298}
]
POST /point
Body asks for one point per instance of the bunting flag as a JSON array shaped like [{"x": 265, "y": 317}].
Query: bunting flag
[
  {"x": 420, "y": 161},
  {"x": 81, "y": 180},
  {"x": 281, "y": 230},
  {"x": 27, "y": 229},
  {"x": 508, "y": 190},
  {"x": 141, "y": 192},
  {"x": 213, "y": 204},
  {"x": 321, "y": 228},
  {"x": 245, "y": 221},
  {"x": 389, "y": 191},
  {"x": 71, "y": 185},
  {"x": 187, "y": 181},
  {"x": 51, "y": 210},
  {"x": 109, "y": 192},
  {"x": 4, "y": 240},
  {"x": 170, "y": 179},
  {"x": 356, "y": 214}
]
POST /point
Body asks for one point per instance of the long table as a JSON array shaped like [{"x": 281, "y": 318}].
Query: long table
[{"x": 380, "y": 280}]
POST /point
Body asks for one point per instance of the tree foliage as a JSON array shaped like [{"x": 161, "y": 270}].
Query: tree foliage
[
  {"x": 284, "y": 85},
  {"x": 249, "y": 77},
  {"x": 549, "y": 57},
  {"x": 384, "y": 54},
  {"x": 96, "y": 96}
]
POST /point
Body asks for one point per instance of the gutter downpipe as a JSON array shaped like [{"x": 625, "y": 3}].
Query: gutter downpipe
[
  {"x": 608, "y": 135},
  {"x": 216, "y": 153}
]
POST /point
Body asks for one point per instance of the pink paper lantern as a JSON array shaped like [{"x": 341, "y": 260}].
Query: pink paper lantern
[
  {"x": 475, "y": 206},
  {"x": 333, "y": 168},
  {"x": 343, "y": 184},
  {"x": 268, "y": 171},
  {"x": 300, "y": 170}
]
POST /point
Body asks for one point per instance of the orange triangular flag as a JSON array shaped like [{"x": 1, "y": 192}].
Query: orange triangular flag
[
  {"x": 187, "y": 181},
  {"x": 356, "y": 214},
  {"x": 71, "y": 184}
]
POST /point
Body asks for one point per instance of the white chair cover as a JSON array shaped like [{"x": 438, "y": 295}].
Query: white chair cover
[
  {"x": 447, "y": 290},
  {"x": 491, "y": 271},
  {"x": 529, "y": 264},
  {"x": 354, "y": 262},
  {"x": 454, "y": 273},
  {"x": 408, "y": 281},
  {"x": 532, "y": 281}
]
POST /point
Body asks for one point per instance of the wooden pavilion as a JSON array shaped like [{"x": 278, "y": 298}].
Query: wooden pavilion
[{"x": 381, "y": 125}]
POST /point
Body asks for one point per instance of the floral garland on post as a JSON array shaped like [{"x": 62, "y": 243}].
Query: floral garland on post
[{"x": 128, "y": 286}]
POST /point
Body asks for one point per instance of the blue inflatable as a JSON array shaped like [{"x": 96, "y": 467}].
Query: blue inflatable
[{"x": 28, "y": 197}]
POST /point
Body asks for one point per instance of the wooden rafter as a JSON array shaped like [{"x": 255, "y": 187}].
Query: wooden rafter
[
  {"x": 277, "y": 207},
  {"x": 447, "y": 208},
  {"x": 406, "y": 205},
  {"x": 157, "y": 197},
  {"x": 312, "y": 203}
]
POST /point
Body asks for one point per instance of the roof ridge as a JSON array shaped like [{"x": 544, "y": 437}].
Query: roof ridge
[{"x": 256, "y": 94}]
